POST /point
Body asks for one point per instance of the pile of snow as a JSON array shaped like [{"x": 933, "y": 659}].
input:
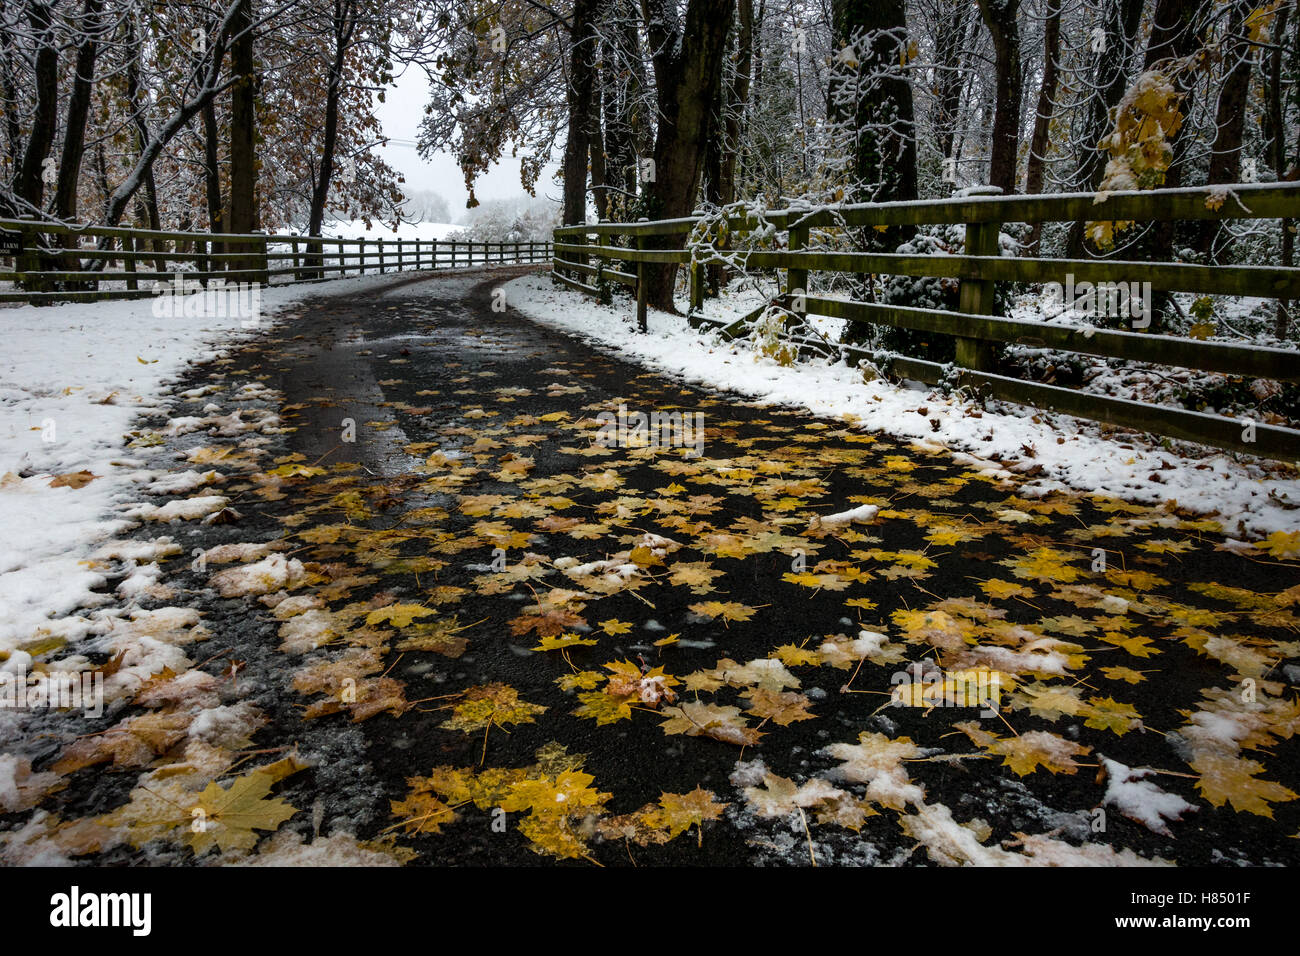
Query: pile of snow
[
  {"x": 863, "y": 514},
  {"x": 1139, "y": 799},
  {"x": 272, "y": 573}
]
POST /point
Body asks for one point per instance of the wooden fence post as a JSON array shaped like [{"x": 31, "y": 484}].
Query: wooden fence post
[
  {"x": 261, "y": 254},
  {"x": 580, "y": 240},
  {"x": 976, "y": 296},
  {"x": 202, "y": 260},
  {"x": 797, "y": 279},
  {"x": 642, "y": 293},
  {"x": 297, "y": 262},
  {"x": 128, "y": 246}
]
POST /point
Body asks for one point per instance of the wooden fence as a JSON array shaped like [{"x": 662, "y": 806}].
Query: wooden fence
[
  {"x": 52, "y": 262},
  {"x": 585, "y": 259}
]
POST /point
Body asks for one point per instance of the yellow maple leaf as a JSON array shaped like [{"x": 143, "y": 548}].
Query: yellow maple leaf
[
  {"x": 780, "y": 707},
  {"x": 227, "y": 816},
  {"x": 603, "y": 707},
  {"x": 1029, "y": 751},
  {"x": 1044, "y": 564},
  {"x": 792, "y": 656},
  {"x": 727, "y": 610},
  {"x": 490, "y": 705},
  {"x": 1128, "y": 675},
  {"x": 1049, "y": 701},
  {"x": 1106, "y": 713},
  {"x": 681, "y": 811},
  {"x": 581, "y": 680},
  {"x": 1282, "y": 544},
  {"x": 398, "y": 615},
  {"x": 1228, "y": 778},
  {"x": 1001, "y": 590},
  {"x": 553, "y": 642},
  {"x": 695, "y": 719},
  {"x": 423, "y": 812}
]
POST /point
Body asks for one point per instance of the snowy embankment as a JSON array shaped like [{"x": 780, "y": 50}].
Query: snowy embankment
[
  {"x": 1051, "y": 451},
  {"x": 73, "y": 378}
]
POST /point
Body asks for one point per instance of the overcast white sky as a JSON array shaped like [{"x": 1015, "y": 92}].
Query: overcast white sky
[{"x": 400, "y": 115}]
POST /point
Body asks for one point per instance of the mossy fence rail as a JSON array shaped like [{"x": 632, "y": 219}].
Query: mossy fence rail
[
  {"x": 51, "y": 262},
  {"x": 587, "y": 258}
]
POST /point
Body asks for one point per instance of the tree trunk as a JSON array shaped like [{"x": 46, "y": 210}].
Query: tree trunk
[
  {"x": 12, "y": 122},
  {"x": 30, "y": 186},
  {"x": 1230, "y": 119},
  {"x": 344, "y": 24},
  {"x": 723, "y": 148},
  {"x": 1275, "y": 143},
  {"x": 870, "y": 98},
  {"x": 950, "y": 41},
  {"x": 737, "y": 100},
  {"x": 146, "y": 209},
  {"x": 74, "y": 127},
  {"x": 243, "y": 137},
  {"x": 212, "y": 178},
  {"x": 622, "y": 82},
  {"x": 74, "y": 132},
  {"x": 596, "y": 146},
  {"x": 879, "y": 114},
  {"x": 1043, "y": 115},
  {"x": 582, "y": 77},
  {"x": 208, "y": 78},
  {"x": 688, "y": 73},
  {"x": 1000, "y": 18},
  {"x": 1175, "y": 34},
  {"x": 1111, "y": 79}
]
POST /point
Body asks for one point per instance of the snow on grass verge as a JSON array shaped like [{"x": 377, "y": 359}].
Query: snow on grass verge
[
  {"x": 73, "y": 379},
  {"x": 1249, "y": 501}
]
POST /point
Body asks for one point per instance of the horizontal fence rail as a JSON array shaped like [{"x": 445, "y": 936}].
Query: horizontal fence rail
[
  {"x": 588, "y": 258},
  {"x": 49, "y": 262}
]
